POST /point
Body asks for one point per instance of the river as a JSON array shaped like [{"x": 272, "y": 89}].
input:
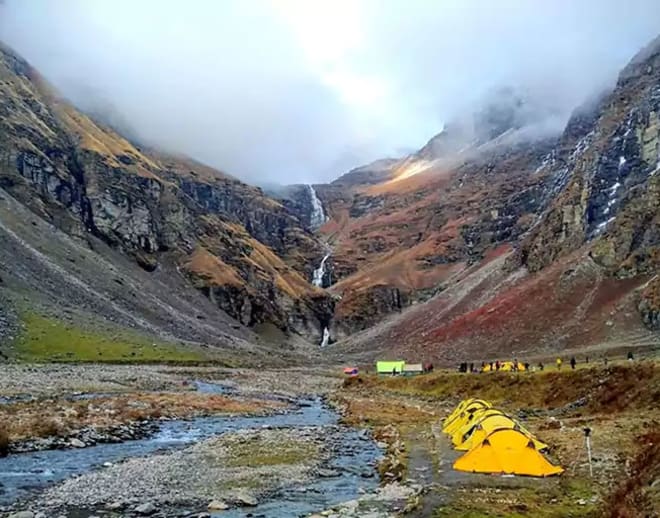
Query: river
[{"x": 23, "y": 475}]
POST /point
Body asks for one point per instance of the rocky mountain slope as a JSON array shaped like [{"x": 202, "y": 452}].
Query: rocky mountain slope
[
  {"x": 513, "y": 241},
  {"x": 185, "y": 225},
  {"x": 499, "y": 237},
  {"x": 400, "y": 229}
]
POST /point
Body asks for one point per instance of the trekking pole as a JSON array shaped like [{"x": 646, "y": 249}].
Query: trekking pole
[{"x": 587, "y": 438}]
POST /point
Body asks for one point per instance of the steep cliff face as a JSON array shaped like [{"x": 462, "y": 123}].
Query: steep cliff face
[
  {"x": 609, "y": 170},
  {"x": 243, "y": 250}
]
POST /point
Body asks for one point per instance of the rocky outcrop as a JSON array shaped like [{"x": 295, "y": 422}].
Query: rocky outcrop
[
  {"x": 606, "y": 168},
  {"x": 304, "y": 202},
  {"x": 649, "y": 304},
  {"x": 606, "y": 171},
  {"x": 367, "y": 307}
]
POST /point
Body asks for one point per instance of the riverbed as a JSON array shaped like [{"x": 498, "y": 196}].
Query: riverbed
[{"x": 341, "y": 467}]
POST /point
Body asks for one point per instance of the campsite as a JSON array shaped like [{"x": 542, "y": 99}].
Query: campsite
[
  {"x": 541, "y": 416},
  {"x": 329, "y": 259},
  {"x": 495, "y": 442}
]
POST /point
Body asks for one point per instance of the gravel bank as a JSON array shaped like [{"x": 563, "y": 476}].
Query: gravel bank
[
  {"x": 287, "y": 382},
  {"x": 237, "y": 469},
  {"x": 49, "y": 380}
]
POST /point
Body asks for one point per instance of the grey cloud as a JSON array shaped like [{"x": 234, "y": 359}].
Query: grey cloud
[{"x": 233, "y": 84}]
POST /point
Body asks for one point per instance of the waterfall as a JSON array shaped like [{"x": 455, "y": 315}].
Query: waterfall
[
  {"x": 317, "y": 279},
  {"x": 317, "y": 217},
  {"x": 326, "y": 337}
]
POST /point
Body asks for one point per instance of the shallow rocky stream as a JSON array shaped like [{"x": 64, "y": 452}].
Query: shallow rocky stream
[{"x": 348, "y": 470}]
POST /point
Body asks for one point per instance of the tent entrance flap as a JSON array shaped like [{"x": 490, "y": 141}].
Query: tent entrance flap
[{"x": 507, "y": 451}]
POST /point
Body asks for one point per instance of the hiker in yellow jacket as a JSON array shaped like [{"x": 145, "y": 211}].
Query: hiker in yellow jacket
[{"x": 558, "y": 363}]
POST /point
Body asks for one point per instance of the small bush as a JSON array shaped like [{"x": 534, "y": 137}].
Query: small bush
[
  {"x": 47, "y": 428},
  {"x": 353, "y": 381}
]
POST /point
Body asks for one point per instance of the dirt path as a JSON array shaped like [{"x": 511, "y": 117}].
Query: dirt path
[
  {"x": 430, "y": 464},
  {"x": 423, "y": 469}
]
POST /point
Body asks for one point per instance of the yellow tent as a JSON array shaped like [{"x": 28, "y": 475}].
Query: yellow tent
[
  {"x": 506, "y": 451},
  {"x": 488, "y": 425},
  {"x": 509, "y": 366},
  {"x": 459, "y": 420},
  {"x": 471, "y": 410},
  {"x": 459, "y": 408},
  {"x": 458, "y": 436}
]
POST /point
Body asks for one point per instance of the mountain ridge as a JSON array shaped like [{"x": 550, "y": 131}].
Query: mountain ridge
[{"x": 447, "y": 252}]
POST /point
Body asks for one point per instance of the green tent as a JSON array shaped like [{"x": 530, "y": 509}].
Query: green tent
[{"x": 385, "y": 367}]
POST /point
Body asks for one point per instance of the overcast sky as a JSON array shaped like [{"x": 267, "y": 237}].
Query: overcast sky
[{"x": 298, "y": 90}]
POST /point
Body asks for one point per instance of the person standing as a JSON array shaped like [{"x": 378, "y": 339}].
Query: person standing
[
  {"x": 558, "y": 363},
  {"x": 573, "y": 362}
]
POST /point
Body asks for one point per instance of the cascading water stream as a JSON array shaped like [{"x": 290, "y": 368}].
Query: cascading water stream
[
  {"x": 326, "y": 337},
  {"x": 317, "y": 217},
  {"x": 317, "y": 278}
]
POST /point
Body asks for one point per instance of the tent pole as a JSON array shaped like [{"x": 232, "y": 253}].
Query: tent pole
[{"x": 587, "y": 438}]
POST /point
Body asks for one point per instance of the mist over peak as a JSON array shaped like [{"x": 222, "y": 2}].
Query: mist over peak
[{"x": 268, "y": 91}]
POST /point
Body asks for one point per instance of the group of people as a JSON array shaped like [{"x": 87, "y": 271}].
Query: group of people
[
  {"x": 573, "y": 362},
  {"x": 515, "y": 365}
]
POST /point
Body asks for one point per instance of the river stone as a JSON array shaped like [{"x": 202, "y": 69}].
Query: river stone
[
  {"x": 146, "y": 509},
  {"x": 22, "y": 514},
  {"x": 77, "y": 443},
  {"x": 218, "y": 505},
  {"x": 246, "y": 498}
]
